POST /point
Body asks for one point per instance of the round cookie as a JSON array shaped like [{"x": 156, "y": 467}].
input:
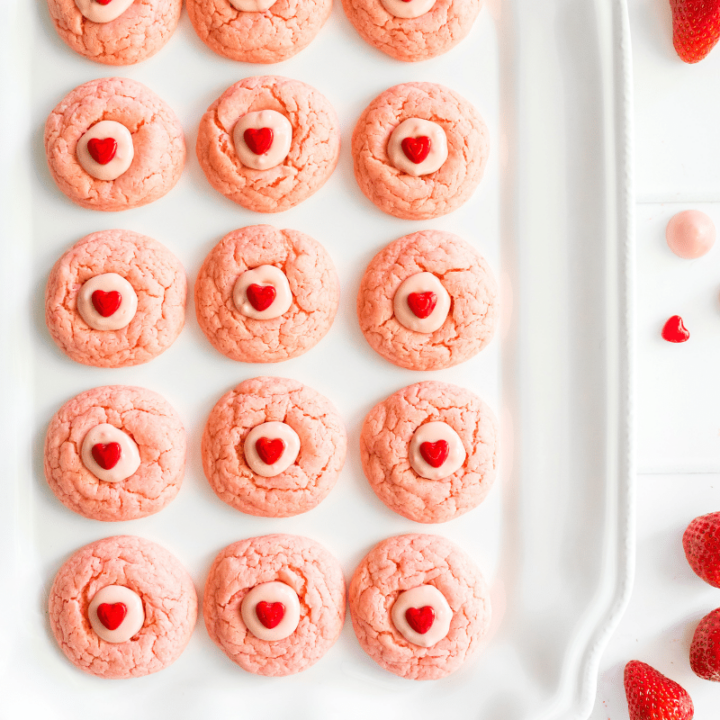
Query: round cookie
[
  {"x": 308, "y": 572},
  {"x": 265, "y": 35},
  {"x": 457, "y": 124},
  {"x": 153, "y": 278},
  {"x": 456, "y": 451},
  {"x": 467, "y": 319},
  {"x": 316, "y": 434},
  {"x": 448, "y": 577},
  {"x": 166, "y": 613},
  {"x": 145, "y": 131},
  {"x": 138, "y": 32},
  {"x": 423, "y": 29},
  {"x": 307, "y": 274},
  {"x": 146, "y": 429},
  {"x": 313, "y": 151}
]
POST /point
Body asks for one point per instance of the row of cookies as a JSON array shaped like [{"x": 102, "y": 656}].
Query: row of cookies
[
  {"x": 124, "y": 32},
  {"x": 272, "y": 447},
  {"x": 125, "y": 607},
  {"x": 116, "y": 298},
  {"x": 267, "y": 144}
]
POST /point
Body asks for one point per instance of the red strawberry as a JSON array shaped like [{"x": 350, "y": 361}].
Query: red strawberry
[
  {"x": 701, "y": 542},
  {"x": 652, "y": 696},
  {"x": 696, "y": 27},
  {"x": 705, "y": 647}
]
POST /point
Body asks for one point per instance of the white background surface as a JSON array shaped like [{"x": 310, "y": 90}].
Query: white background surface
[{"x": 677, "y": 116}]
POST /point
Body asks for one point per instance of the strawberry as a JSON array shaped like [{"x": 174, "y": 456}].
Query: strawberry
[
  {"x": 705, "y": 647},
  {"x": 701, "y": 541},
  {"x": 652, "y": 696},
  {"x": 696, "y": 27}
]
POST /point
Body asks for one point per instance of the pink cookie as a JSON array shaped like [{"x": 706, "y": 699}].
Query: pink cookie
[
  {"x": 89, "y": 431},
  {"x": 441, "y": 596},
  {"x": 241, "y": 269},
  {"x": 258, "y": 413},
  {"x": 158, "y": 596},
  {"x": 429, "y": 451},
  {"x": 145, "y": 275},
  {"x": 138, "y": 152},
  {"x": 448, "y": 147},
  {"x": 119, "y": 32},
  {"x": 249, "y": 578},
  {"x": 412, "y": 30},
  {"x": 452, "y": 290},
  {"x": 258, "y": 31},
  {"x": 294, "y": 112}
]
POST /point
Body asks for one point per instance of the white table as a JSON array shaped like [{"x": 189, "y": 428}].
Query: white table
[{"x": 677, "y": 140}]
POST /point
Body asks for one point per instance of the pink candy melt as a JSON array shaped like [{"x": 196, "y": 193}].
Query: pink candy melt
[{"x": 690, "y": 234}]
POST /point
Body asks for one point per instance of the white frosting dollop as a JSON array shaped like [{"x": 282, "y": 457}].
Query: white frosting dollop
[
  {"x": 104, "y": 132},
  {"x": 271, "y": 432},
  {"x": 133, "y": 616},
  {"x": 271, "y": 593},
  {"x": 108, "y": 283},
  {"x": 408, "y": 8},
  {"x": 264, "y": 122},
  {"x": 416, "y": 130},
  {"x": 434, "y": 434},
  {"x": 263, "y": 276},
  {"x": 103, "y": 436}
]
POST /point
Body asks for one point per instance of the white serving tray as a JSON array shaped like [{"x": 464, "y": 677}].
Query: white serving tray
[{"x": 553, "y": 217}]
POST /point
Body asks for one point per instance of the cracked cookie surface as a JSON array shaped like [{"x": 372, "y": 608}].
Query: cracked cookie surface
[
  {"x": 412, "y": 39},
  {"x": 168, "y": 597},
  {"x": 426, "y": 196},
  {"x": 304, "y": 565},
  {"x": 156, "y": 276},
  {"x": 307, "y": 481},
  {"x": 385, "y": 439},
  {"x": 157, "y": 137},
  {"x": 276, "y": 34},
  {"x": 465, "y": 275},
  {"x": 405, "y": 562},
  {"x": 313, "y": 154},
  {"x": 313, "y": 283},
  {"x": 150, "y": 422},
  {"x": 135, "y": 35}
]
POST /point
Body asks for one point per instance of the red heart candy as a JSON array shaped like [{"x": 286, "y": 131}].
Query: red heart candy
[
  {"x": 103, "y": 2},
  {"x": 270, "y": 614},
  {"x": 435, "y": 453},
  {"x": 106, "y": 303},
  {"x": 675, "y": 331},
  {"x": 422, "y": 304},
  {"x": 107, "y": 456},
  {"x": 420, "y": 619},
  {"x": 258, "y": 140},
  {"x": 269, "y": 450},
  {"x": 261, "y": 297},
  {"x": 102, "y": 151},
  {"x": 111, "y": 616},
  {"x": 416, "y": 149}
]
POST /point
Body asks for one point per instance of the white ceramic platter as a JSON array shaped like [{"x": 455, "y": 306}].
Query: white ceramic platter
[{"x": 553, "y": 218}]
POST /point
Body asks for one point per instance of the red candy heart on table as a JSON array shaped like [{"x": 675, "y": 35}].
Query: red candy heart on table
[
  {"x": 106, "y": 303},
  {"x": 420, "y": 619},
  {"x": 270, "y": 614},
  {"x": 416, "y": 149},
  {"x": 111, "y": 616},
  {"x": 261, "y": 297},
  {"x": 258, "y": 140},
  {"x": 102, "y": 151},
  {"x": 422, "y": 304},
  {"x": 675, "y": 331},
  {"x": 269, "y": 450},
  {"x": 107, "y": 456},
  {"x": 435, "y": 453}
]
